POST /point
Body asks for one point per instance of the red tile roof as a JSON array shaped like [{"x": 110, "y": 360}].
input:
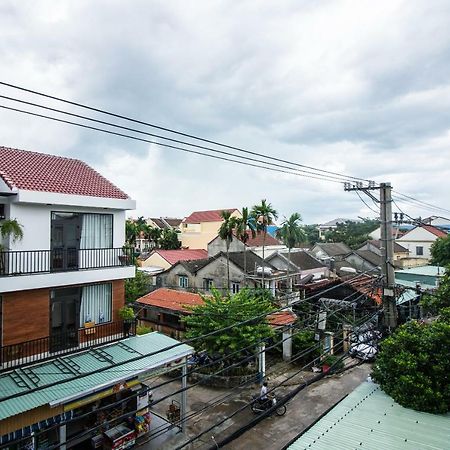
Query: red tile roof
[
  {"x": 34, "y": 171},
  {"x": 206, "y": 216},
  {"x": 281, "y": 318},
  {"x": 365, "y": 285},
  {"x": 436, "y": 231},
  {"x": 257, "y": 241},
  {"x": 173, "y": 256},
  {"x": 171, "y": 299}
]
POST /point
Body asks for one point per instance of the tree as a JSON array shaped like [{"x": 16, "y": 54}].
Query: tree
[
  {"x": 354, "y": 234},
  {"x": 440, "y": 251},
  {"x": 155, "y": 235},
  {"x": 137, "y": 287},
  {"x": 245, "y": 227},
  {"x": 226, "y": 232},
  {"x": 169, "y": 240},
  {"x": 312, "y": 234},
  {"x": 221, "y": 311},
  {"x": 11, "y": 228},
  {"x": 434, "y": 303},
  {"x": 291, "y": 233},
  {"x": 413, "y": 366},
  {"x": 131, "y": 231},
  {"x": 264, "y": 215}
]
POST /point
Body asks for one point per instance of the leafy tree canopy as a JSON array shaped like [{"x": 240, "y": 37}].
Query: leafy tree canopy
[
  {"x": 169, "y": 240},
  {"x": 433, "y": 303},
  {"x": 413, "y": 366},
  {"x": 312, "y": 234},
  {"x": 220, "y": 311},
  {"x": 354, "y": 234},
  {"x": 440, "y": 251},
  {"x": 137, "y": 287}
]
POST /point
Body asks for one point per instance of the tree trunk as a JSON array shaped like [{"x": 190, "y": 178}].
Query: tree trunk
[
  {"x": 245, "y": 265},
  {"x": 289, "y": 287},
  {"x": 264, "y": 262},
  {"x": 228, "y": 267}
]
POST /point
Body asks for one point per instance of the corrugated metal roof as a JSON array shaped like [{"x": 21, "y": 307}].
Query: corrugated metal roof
[
  {"x": 71, "y": 367},
  {"x": 423, "y": 270},
  {"x": 369, "y": 419}
]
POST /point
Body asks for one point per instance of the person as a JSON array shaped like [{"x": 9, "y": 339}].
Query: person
[{"x": 263, "y": 395}]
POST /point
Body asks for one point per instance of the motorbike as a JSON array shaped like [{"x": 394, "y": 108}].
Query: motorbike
[{"x": 259, "y": 406}]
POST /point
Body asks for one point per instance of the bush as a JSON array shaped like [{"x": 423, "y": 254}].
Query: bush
[
  {"x": 413, "y": 366},
  {"x": 301, "y": 342},
  {"x": 142, "y": 329},
  {"x": 333, "y": 361}
]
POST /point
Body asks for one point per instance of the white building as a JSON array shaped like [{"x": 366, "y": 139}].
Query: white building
[{"x": 419, "y": 240}]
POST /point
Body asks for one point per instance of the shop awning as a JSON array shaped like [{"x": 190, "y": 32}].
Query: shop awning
[{"x": 65, "y": 379}]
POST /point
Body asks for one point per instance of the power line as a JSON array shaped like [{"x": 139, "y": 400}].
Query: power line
[
  {"x": 318, "y": 177},
  {"x": 420, "y": 202},
  {"x": 373, "y": 210},
  {"x": 169, "y": 130},
  {"x": 79, "y": 116}
]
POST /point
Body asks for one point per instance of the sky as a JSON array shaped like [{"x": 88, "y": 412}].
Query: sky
[{"x": 355, "y": 87}]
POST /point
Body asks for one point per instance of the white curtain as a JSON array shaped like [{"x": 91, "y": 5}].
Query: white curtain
[
  {"x": 96, "y": 231},
  {"x": 96, "y": 303}
]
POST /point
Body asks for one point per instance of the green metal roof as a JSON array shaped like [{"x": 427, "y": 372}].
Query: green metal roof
[
  {"x": 369, "y": 419},
  {"x": 66, "y": 371},
  {"x": 433, "y": 271}
]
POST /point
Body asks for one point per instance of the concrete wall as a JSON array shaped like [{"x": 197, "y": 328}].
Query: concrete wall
[
  {"x": 156, "y": 260},
  {"x": 418, "y": 237},
  {"x": 219, "y": 245}
]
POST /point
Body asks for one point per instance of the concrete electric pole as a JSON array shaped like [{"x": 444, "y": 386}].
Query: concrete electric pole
[{"x": 386, "y": 247}]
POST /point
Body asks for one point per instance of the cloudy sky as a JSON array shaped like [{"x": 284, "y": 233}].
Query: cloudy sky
[{"x": 357, "y": 87}]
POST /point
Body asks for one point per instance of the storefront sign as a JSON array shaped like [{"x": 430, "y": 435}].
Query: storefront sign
[{"x": 99, "y": 395}]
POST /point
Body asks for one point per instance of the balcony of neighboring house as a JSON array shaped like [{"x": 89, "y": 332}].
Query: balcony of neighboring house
[
  {"x": 66, "y": 341},
  {"x": 81, "y": 251}
]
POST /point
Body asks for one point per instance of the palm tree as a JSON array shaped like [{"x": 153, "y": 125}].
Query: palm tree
[
  {"x": 226, "y": 233},
  {"x": 245, "y": 226},
  {"x": 264, "y": 215},
  {"x": 154, "y": 235},
  {"x": 291, "y": 233}
]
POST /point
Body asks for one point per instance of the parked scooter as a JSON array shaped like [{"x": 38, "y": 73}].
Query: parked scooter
[{"x": 258, "y": 406}]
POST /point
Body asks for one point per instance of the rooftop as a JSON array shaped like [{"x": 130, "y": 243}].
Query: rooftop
[
  {"x": 433, "y": 271},
  {"x": 173, "y": 256},
  {"x": 207, "y": 216},
  {"x": 334, "y": 248},
  {"x": 397, "y": 247},
  {"x": 258, "y": 240},
  {"x": 171, "y": 299},
  {"x": 88, "y": 371},
  {"x": 372, "y": 257},
  {"x": 303, "y": 260},
  {"x": 369, "y": 419},
  {"x": 32, "y": 171}
]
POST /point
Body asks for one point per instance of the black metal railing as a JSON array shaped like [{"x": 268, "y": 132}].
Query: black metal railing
[
  {"x": 13, "y": 263},
  {"x": 16, "y": 355}
]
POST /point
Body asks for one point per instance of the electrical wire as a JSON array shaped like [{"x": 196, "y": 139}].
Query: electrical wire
[
  {"x": 368, "y": 206},
  {"x": 420, "y": 202},
  {"x": 169, "y": 130}
]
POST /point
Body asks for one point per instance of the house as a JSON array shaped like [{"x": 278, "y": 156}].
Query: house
[
  {"x": 335, "y": 251},
  {"x": 255, "y": 244},
  {"x": 330, "y": 226},
  {"x": 301, "y": 265},
  {"x": 364, "y": 260},
  {"x": 161, "y": 223},
  {"x": 63, "y": 283},
  {"x": 203, "y": 274},
  {"x": 201, "y": 227},
  {"x": 419, "y": 240},
  {"x": 438, "y": 221},
  {"x": 164, "y": 259},
  {"x": 374, "y": 246},
  {"x": 427, "y": 277},
  {"x": 368, "y": 418}
]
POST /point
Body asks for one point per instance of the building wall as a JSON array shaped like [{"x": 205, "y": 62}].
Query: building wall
[
  {"x": 358, "y": 262},
  {"x": 26, "y": 314},
  {"x": 281, "y": 264},
  {"x": 219, "y": 245},
  {"x": 418, "y": 237},
  {"x": 156, "y": 260}
]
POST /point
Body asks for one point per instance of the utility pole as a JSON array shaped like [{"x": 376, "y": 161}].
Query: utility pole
[{"x": 386, "y": 247}]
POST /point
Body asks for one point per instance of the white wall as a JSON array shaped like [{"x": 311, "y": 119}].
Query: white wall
[{"x": 418, "y": 237}]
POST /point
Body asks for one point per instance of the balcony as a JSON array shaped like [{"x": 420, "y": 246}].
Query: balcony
[
  {"x": 30, "y": 262},
  {"x": 28, "y": 352}
]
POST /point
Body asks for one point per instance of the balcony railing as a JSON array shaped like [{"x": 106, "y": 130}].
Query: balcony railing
[
  {"x": 27, "y": 352},
  {"x": 13, "y": 263}
]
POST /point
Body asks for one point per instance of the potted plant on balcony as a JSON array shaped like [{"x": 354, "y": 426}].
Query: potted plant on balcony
[
  {"x": 126, "y": 313},
  {"x": 126, "y": 257},
  {"x": 8, "y": 228}
]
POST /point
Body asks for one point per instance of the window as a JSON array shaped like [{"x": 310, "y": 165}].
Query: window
[
  {"x": 207, "y": 284},
  {"x": 96, "y": 304},
  {"x": 419, "y": 251},
  {"x": 234, "y": 287},
  {"x": 183, "y": 281}
]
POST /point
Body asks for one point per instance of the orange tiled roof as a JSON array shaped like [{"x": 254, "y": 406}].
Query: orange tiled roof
[
  {"x": 207, "y": 216},
  {"x": 171, "y": 299}
]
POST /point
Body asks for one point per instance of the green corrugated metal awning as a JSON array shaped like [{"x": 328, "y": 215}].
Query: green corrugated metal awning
[
  {"x": 369, "y": 419},
  {"x": 68, "y": 372}
]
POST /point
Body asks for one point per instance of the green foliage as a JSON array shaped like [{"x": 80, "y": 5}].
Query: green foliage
[
  {"x": 264, "y": 215},
  {"x": 222, "y": 311},
  {"x": 440, "y": 251},
  {"x": 433, "y": 303},
  {"x": 333, "y": 361},
  {"x": 142, "y": 329},
  {"x": 11, "y": 228},
  {"x": 303, "y": 341},
  {"x": 291, "y": 232},
  {"x": 126, "y": 313},
  {"x": 245, "y": 224},
  {"x": 137, "y": 287},
  {"x": 413, "y": 366},
  {"x": 169, "y": 240},
  {"x": 131, "y": 231},
  {"x": 312, "y": 234},
  {"x": 354, "y": 234}
]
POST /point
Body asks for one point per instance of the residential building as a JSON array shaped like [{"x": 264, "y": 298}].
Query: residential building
[
  {"x": 427, "y": 277},
  {"x": 333, "y": 251},
  {"x": 201, "y": 227},
  {"x": 419, "y": 240},
  {"x": 301, "y": 265},
  {"x": 255, "y": 244},
  {"x": 438, "y": 221},
  {"x": 203, "y": 274},
  {"x": 165, "y": 259},
  {"x": 369, "y": 418},
  {"x": 374, "y": 246},
  {"x": 331, "y": 225},
  {"x": 161, "y": 223},
  {"x": 63, "y": 283}
]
